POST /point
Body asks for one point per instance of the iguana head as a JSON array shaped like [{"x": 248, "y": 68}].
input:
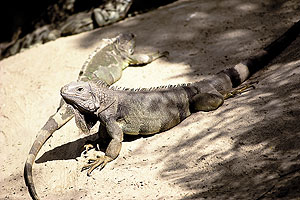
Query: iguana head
[
  {"x": 80, "y": 96},
  {"x": 87, "y": 97},
  {"x": 125, "y": 42},
  {"x": 88, "y": 100}
]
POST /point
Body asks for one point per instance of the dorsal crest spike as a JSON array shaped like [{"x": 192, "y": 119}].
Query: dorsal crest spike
[
  {"x": 156, "y": 88},
  {"x": 100, "y": 83},
  {"x": 103, "y": 44}
]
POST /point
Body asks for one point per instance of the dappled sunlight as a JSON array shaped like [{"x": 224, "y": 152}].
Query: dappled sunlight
[
  {"x": 288, "y": 69},
  {"x": 250, "y": 142},
  {"x": 293, "y": 63},
  {"x": 262, "y": 147},
  {"x": 247, "y": 7},
  {"x": 197, "y": 16},
  {"x": 234, "y": 34}
]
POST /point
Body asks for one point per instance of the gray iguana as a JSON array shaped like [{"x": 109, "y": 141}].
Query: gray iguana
[
  {"x": 149, "y": 111},
  {"x": 106, "y": 64}
]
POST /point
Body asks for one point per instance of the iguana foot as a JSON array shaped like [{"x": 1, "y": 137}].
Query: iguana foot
[
  {"x": 143, "y": 59},
  {"x": 157, "y": 55},
  {"x": 99, "y": 161},
  {"x": 238, "y": 91}
]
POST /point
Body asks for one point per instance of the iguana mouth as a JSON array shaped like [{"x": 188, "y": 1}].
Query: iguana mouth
[{"x": 66, "y": 94}]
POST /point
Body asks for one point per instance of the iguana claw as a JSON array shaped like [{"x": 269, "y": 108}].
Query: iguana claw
[
  {"x": 87, "y": 147},
  {"x": 100, "y": 161}
]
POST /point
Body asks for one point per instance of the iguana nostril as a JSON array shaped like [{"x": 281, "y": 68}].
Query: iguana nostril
[
  {"x": 91, "y": 106},
  {"x": 62, "y": 90}
]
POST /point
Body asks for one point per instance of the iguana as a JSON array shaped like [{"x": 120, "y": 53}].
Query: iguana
[
  {"x": 106, "y": 64},
  {"x": 149, "y": 111}
]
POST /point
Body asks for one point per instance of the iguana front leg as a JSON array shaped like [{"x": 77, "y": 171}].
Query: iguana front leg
[
  {"x": 113, "y": 149},
  {"x": 143, "y": 59}
]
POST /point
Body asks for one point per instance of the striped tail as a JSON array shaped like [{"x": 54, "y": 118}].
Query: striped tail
[
  {"x": 62, "y": 116},
  {"x": 242, "y": 71}
]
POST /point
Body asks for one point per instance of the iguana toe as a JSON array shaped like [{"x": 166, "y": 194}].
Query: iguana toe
[
  {"x": 86, "y": 148},
  {"x": 239, "y": 91}
]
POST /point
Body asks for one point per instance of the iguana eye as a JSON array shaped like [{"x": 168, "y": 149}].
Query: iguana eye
[{"x": 80, "y": 89}]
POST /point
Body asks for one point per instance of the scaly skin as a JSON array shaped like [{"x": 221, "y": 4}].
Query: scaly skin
[
  {"x": 149, "y": 111},
  {"x": 106, "y": 64}
]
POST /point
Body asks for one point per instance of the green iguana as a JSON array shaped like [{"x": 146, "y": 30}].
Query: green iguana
[
  {"x": 106, "y": 64},
  {"x": 149, "y": 111}
]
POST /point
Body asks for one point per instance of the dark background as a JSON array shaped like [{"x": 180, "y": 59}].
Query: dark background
[{"x": 29, "y": 14}]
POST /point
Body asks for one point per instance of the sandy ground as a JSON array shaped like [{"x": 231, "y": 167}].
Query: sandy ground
[{"x": 247, "y": 149}]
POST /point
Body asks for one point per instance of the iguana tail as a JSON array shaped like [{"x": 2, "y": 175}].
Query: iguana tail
[
  {"x": 242, "y": 71},
  {"x": 62, "y": 116}
]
